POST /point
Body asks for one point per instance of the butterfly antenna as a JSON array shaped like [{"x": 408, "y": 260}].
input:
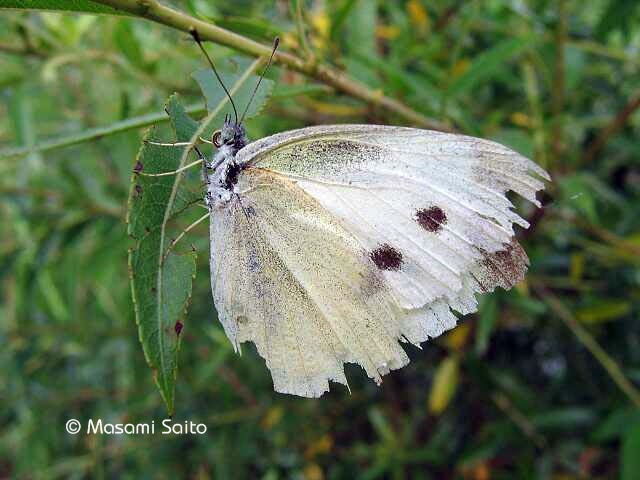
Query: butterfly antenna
[
  {"x": 276, "y": 42},
  {"x": 196, "y": 37}
]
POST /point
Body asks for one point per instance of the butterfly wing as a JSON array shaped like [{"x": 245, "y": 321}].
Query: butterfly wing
[
  {"x": 436, "y": 199},
  {"x": 343, "y": 240},
  {"x": 288, "y": 277}
]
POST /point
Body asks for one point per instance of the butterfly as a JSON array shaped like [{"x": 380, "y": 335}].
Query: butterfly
[{"x": 335, "y": 244}]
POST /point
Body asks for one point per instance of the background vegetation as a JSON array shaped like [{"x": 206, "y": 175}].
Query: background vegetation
[{"x": 539, "y": 384}]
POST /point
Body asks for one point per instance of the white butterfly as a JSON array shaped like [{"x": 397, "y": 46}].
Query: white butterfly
[{"x": 332, "y": 244}]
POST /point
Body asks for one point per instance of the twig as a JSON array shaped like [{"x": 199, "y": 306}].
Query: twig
[
  {"x": 590, "y": 343},
  {"x": 95, "y": 133},
  {"x": 21, "y": 50},
  {"x": 612, "y": 128},
  {"x": 517, "y": 417},
  {"x": 153, "y": 10}
]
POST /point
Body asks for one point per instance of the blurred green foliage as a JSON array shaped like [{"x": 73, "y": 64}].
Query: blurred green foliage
[{"x": 514, "y": 392}]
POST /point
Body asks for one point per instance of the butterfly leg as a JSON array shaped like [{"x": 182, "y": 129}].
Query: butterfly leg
[
  {"x": 171, "y": 144},
  {"x": 176, "y": 144},
  {"x": 206, "y": 177}
]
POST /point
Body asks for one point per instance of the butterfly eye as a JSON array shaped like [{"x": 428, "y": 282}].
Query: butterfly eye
[{"x": 216, "y": 138}]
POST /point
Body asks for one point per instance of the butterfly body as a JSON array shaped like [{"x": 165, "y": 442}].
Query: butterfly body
[
  {"x": 333, "y": 244},
  {"x": 221, "y": 173}
]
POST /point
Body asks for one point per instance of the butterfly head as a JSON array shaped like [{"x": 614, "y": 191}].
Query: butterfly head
[{"x": 232, "y": 135}]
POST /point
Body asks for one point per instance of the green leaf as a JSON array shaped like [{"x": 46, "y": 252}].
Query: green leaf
[
  {"x": 21, "y": 114},
  {"x": 488, "y": 63},
  {"x": 619, "y": 14},
  {"x": 630, "y": 449},
  {"x": 614, "y": 425},
  {"x": 486, "y": 323},
  {"x": 603, "y": 310},
  {"x": 361, "y": 38},
  {"x": 127, "y": 42},
  {"x": 564, "y": 418},
  {"x": 518, "y": 140},
  {"x": 214, "y": 93},
  {"x": 161, "y": 278},
  {"x": 82, "y": 6},
  {"x": 577, "y": 192}
]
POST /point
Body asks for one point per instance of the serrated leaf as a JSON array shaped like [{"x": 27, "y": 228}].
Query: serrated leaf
[
  {"x": 214, "y": 93},
  {"x": 82, "y": 6},
  {"x": 488, "y": 63},
  {"x": 161, "y": 278}
]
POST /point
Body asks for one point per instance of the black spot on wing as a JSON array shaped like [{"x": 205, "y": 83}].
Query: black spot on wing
[
  {"x": 431, "y": 219},
  {"x": 386, "y": 257}
]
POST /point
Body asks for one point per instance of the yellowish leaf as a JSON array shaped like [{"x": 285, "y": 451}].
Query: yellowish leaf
[
  {"x": 418, "y": 15},
  {"x": 521, "y": 119},
  {"x": 523, "y": 287},
  {"x": 387, "y": 32},
  {"x": 321, "y": 23},
  {"x": 313, "y": 472},
  {"x": 576, "y": 267},
  {"x": 460, "y": 67},
  {"x": 603, "y": 311},
  {"x": 272, "y": 418},
  {"x": 289, "y": 40},
  {"x": 445, "y": 384},
  {"x": 319, "y": 446},
  {"x": 455, "y": 339}
]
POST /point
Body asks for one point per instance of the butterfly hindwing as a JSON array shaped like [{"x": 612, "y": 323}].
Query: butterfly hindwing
[{"x": 289, "y": 278}]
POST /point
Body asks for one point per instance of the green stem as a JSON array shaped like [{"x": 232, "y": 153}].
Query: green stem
[
  {"x": 591, "y": 344},
  {"x": 154, "y": 11},
  {"x": 95, "y": 133}
]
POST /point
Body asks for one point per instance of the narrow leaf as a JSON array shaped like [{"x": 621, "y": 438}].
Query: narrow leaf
[
  {"x": 488, "y": 63},
  {"x": 214, "y": 94},
  {"x": 82, "y": 6},
  {"x": 630, "y": 448},
  {"x": 445, "y": 384},
  {"x": 486, "y": 323}
]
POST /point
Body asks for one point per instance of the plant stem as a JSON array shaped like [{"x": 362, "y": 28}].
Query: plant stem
[
  {"x": 95, "y": 133},
  {"x": 612, "y": 128},
  {"x": 591, "y": 344},
  {"x": 153, "y": 10}
]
